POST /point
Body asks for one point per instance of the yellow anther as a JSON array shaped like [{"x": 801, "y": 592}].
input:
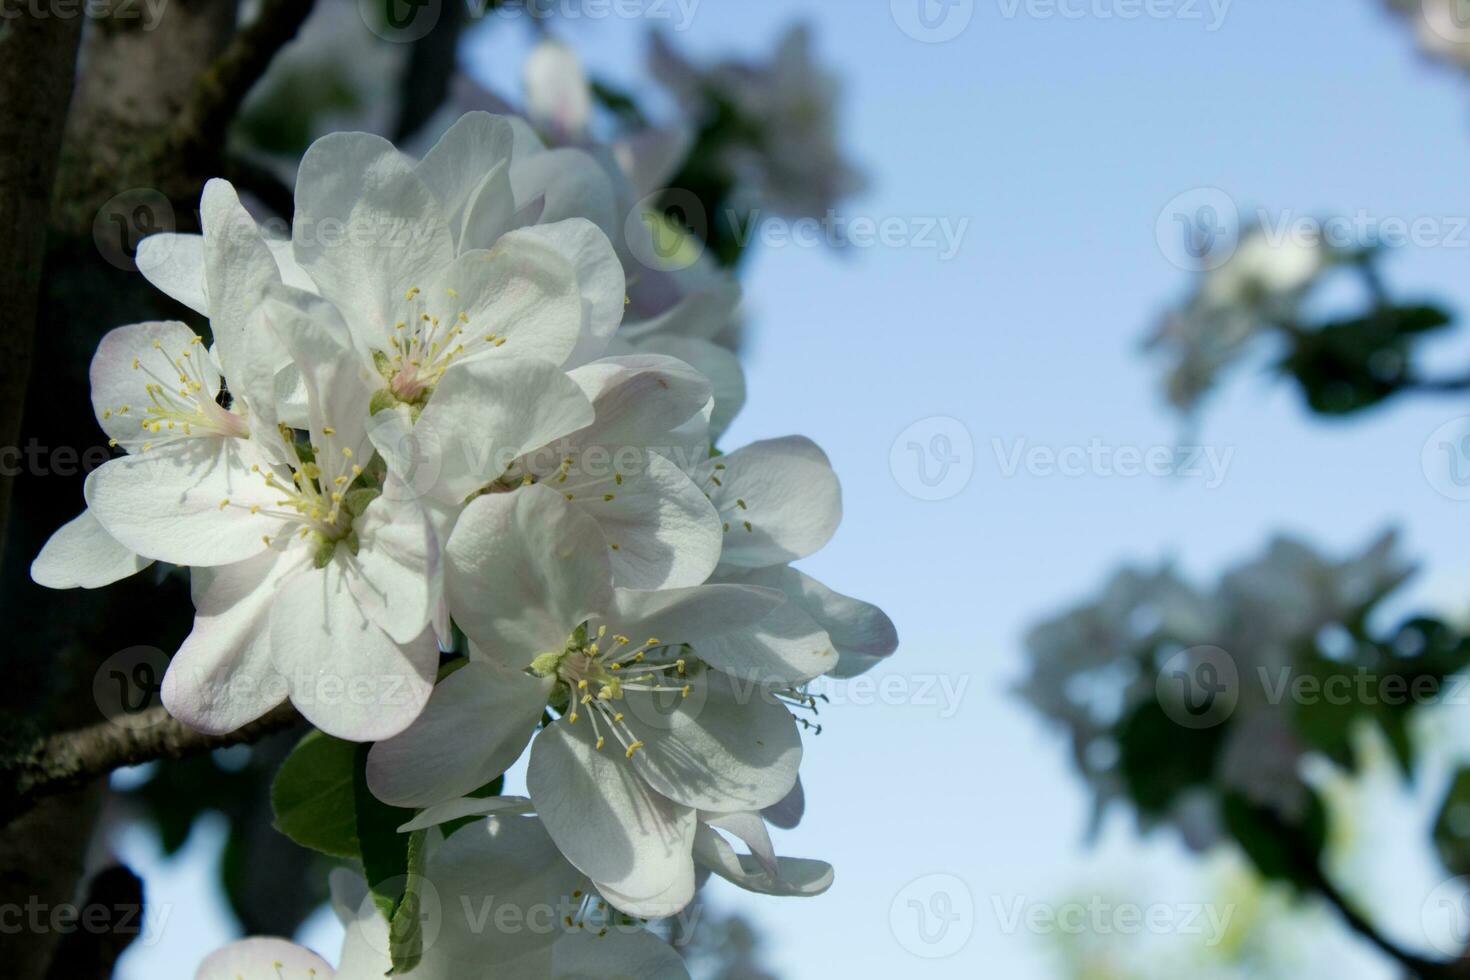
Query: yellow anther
[{"x": 634, "y": 748}]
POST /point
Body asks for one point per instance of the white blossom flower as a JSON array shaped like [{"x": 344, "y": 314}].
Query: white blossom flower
[
  {"x": 791, "y": 103},
  {"x": 1262, "y": 283},
  {"x": 157, "y": 389},
  {"x": 499, "y": 896},
  {"x": 779, "y": 501},
  {"x": 306, "y": 581},
  {"x": 619, "y": 776}
]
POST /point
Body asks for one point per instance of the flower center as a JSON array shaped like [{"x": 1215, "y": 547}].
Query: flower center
[
  {"x": 318, "y": 502},
  {"x": 179, "y": 409},
  {"x": 593, "y": 676},
  {"x": 421, "y": 346}
]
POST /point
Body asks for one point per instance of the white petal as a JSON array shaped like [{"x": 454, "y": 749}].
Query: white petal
[
  {"x": 689, "y": 615},
  {"x": 650, "y": 157},
  {"x": 131, "y": 358},
  {"x": 750, "y": 828},
  {"x": 175, "y": 264},
  {"x": 442, "y": 813},
  {"x": 732, "y": 748},
  {"x": 574, "y": 184},
  {"x": 455, "y": 168},
  {"x": 493, "y": 211},
  {"x": 787, "y": 647},
  {"x": 474, "y": 727},
  {"x": 720, "y": 366},
  {"x": 599, "y": 274},
  {"x": 558, "y": 95},
  {"x": 345, "y": 674},
  {"x": 780, "y": 498},
  {"x": 338, "y": 389},
  {"x": 503, "y": 889},
  {"x": 662, "y": 530},
  {"x": 523, "y": 570},
  {"x": 366, "y": 228},
  {"x": 482, "y": 417},
  {"x": 604, "y": 818},
  {"x": 264, "y": 959},
  {"x": 702, "y": 315},
  {"x": 395, "y": 565},
  {"x": 238, "y": 269},
  {"x": 166, "y": 503},
  {"x": 639, "y": 398},
  {"x": 797, "y": 877},
  {"x": 82, "y": 555},
  {"x": 224, "y": 677},
  {"x": 787, "y": 814},
  {"x": 521, "y": 291},
  {"x": 862, "y": 634},
  {"x": 618, "y": 955}
]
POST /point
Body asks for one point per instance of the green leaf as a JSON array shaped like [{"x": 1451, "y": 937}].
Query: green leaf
[
  {"x": 313, "y": 796},
  {"x": 1159, "y": 759},
  {"x": 384, "y": 851},
  {"x": 1281, "y": 850},
  {"x": 1345, "y": 366},
  {"x": 1452, "y": 826},
  {"x": 406, "y": 925},
  {"x": 321, "y": 801}
]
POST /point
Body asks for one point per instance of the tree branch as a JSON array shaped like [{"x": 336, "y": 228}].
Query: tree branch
[
  {"x": 205, "y": 118},
  {"x": 67, "y": 760},
  {"x": 1415, "y": 965}
]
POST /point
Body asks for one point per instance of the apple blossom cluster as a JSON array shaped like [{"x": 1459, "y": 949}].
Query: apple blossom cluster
[
  {"x": 1261, "y": 284},
  {"x": 1095, "y": 667},
  {"x": 442, "y": 486}
]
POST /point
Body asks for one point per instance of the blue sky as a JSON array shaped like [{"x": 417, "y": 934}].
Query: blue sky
[{"x": 1059, "y": 141}]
